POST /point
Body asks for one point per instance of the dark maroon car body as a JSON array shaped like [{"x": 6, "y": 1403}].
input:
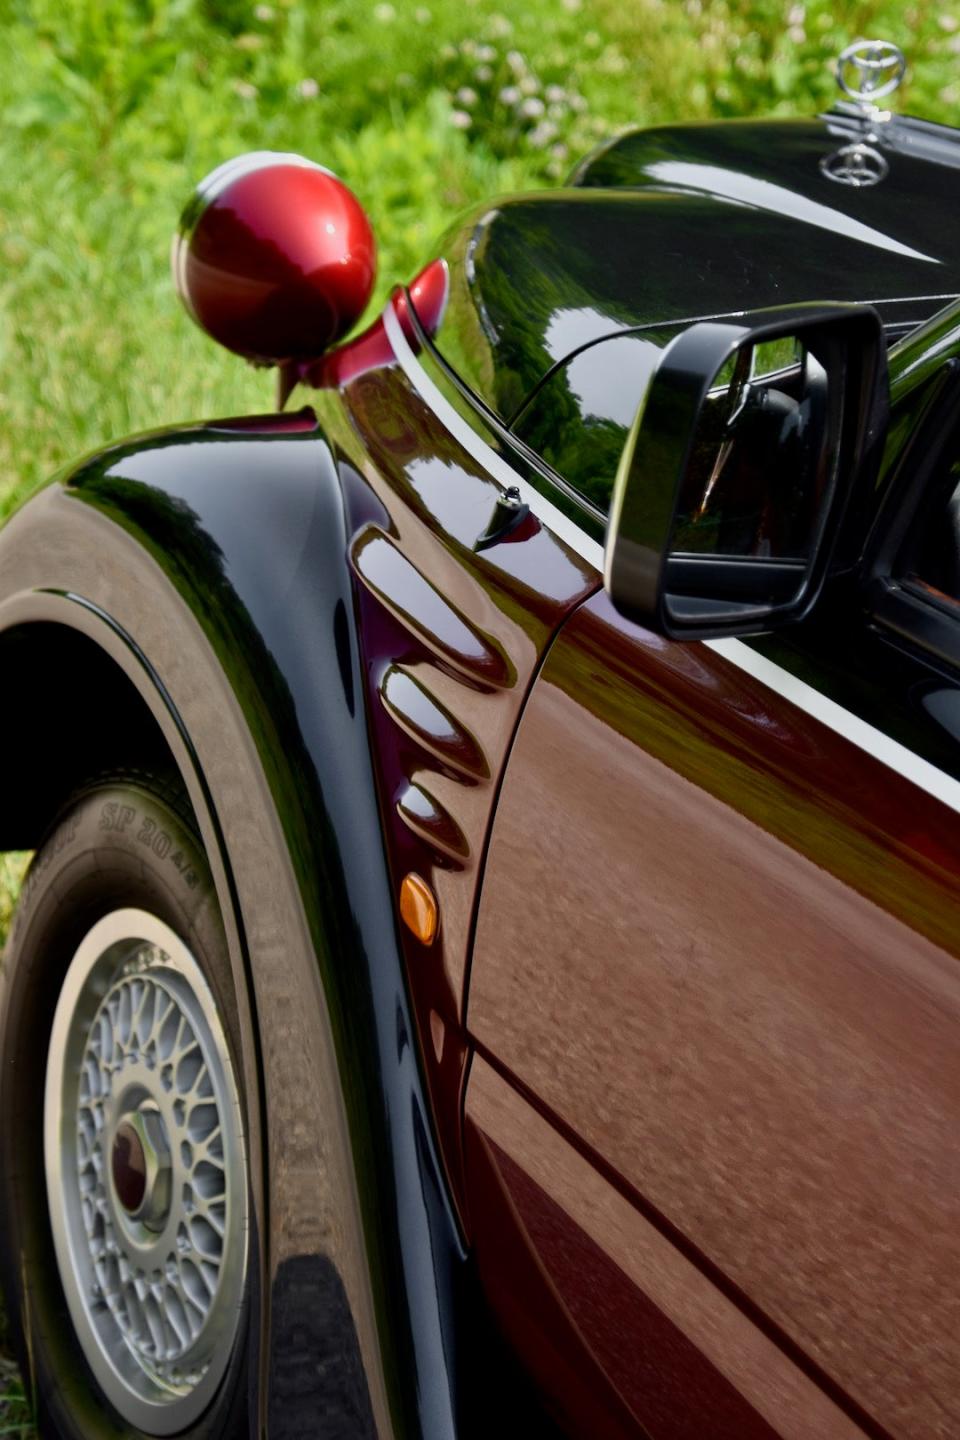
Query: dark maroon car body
[{"x": 658, "y": 1136}]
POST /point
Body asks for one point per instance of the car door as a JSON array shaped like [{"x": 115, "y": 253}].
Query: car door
[{"x": 715, "y": 1004}]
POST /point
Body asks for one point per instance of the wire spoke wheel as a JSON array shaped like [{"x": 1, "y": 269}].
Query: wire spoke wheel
[{"x": 146, "y": 1171}]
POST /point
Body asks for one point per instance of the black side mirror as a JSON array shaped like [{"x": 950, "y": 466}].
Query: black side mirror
[{"x": 739, "y": 466}]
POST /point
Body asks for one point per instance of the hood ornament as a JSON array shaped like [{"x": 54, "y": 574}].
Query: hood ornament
[
  {"x": 858, "y": 165},
  {"x": 866, "y": 71}
]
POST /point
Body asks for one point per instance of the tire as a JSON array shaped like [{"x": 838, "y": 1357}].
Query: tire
[{"x": 124, "y": 1194}]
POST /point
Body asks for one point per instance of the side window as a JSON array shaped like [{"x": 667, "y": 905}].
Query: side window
[
  {"x": 935, "y": 567},
  {"x": 579, "y": 417},
  {"x": 915, "y": 589}
]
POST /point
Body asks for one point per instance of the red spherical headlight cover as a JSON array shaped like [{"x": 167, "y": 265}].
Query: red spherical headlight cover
[{"x": 274, "y": 257}]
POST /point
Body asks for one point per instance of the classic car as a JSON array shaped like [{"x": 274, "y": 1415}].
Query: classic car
[{"x": 489, "y": 963}]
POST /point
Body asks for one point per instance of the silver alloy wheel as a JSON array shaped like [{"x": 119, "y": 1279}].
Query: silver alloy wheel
[{"x": 146, "y": 1171}]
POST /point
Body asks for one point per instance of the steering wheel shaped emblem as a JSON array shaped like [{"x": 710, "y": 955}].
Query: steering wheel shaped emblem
[
  {"x": 868, "y": 70},
  {"x": 858, "y": 165}
]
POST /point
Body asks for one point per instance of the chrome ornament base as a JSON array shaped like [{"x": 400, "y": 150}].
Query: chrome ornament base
[{"x": 146, "y": 1171}]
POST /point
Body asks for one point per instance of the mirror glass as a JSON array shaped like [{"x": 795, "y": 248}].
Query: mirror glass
[{"x": 758, "y": 479}]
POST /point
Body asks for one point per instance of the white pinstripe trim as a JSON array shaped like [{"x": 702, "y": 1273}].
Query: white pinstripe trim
[{"x": 842, "y": 722}]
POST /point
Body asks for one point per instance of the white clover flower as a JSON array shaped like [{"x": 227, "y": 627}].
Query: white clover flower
[
  {"x": 266, "y": 13},
  {"x": 466, "y": 96},
  {"x": 572, "y": 6},
  {"x": 578, "y": 103},
  {"x": 592, "y": 40},
  {"x": 796, "y": 35},
  {"x": 460, "y": 120},
  {"x": 423, "y": 16},
  {"x": 486, "y": 53},
  {"x": 559, "y": 151},
  {"x": 796, "y": 14},
  {"x": 483, "y": 74},
  {"x": 308, "y": 88},
  {"x": 499, "y": 27},
  {"x": 554, "y": 94},
  {"x": 947, "y": 22},
  {"x": 509, "y": 95},
  {"x": 245, "y": 90},
  {"x": 384, "y": 12},
  {"x": 516, "y": 62},
  {"x": 529, "y": 84},
  {"x": 541, "y": 135},
  {"x": 532, "y": 108},
  {"x": 557, "y": 111}
]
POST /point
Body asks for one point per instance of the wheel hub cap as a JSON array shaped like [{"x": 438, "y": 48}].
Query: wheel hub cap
[
  {"x": 128, "y": 1166},
  {"x": 141, "y": 1167},
  {"x": 146, "y": 1171}
]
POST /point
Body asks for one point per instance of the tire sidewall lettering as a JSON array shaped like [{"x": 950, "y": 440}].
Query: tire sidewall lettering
[{"x": 121, "y": 819}]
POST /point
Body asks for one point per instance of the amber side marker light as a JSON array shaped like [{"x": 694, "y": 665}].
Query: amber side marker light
[{"x": 418, "y": 908}]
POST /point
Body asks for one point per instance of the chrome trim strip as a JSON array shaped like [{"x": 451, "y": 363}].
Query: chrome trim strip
[{"x": 842, "y": 722}]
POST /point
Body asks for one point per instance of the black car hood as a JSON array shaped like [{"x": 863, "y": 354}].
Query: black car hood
[{"x": 663, "y": 227}]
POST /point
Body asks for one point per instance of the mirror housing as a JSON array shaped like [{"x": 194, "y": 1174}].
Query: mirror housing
[
  {"x": 274, "y": 257},
  {"x": 803, "y": 437}
]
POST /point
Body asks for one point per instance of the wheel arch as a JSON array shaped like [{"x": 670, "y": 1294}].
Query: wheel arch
[{"x": 72, "y": 713}]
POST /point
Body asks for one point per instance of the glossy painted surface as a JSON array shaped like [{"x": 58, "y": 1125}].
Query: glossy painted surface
[
  {"x": 222, "y": 535},
  {"x": 451, "y": 637},
  {"x": 733, "y": 986},
  {"x": 608, "y": 1312},
  {"x": 275, "y": 257},
  {"x": 370, "y": 350},
  {"x": 195, "y": 549},
  {"x": 693, "y": 222}
]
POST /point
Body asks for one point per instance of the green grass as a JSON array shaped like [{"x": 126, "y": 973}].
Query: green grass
[
  {"x": 16, "y": 1416},
  {"x": 110, "y": 110},
  {"x": 15, "y": 1410},
  {"x": 11, "y": 873}
]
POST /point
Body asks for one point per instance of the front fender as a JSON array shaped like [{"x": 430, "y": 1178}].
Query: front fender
[{"x": 211, "y": 564}]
